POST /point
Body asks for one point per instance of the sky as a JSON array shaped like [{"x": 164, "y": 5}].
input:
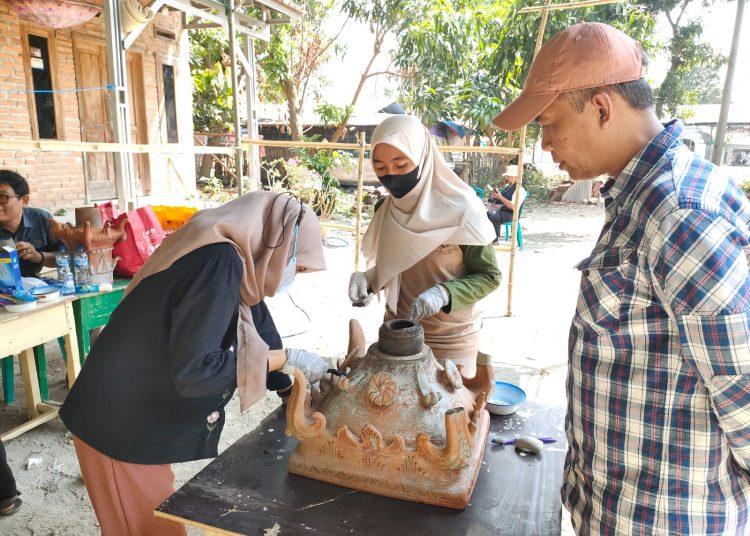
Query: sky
[
  {"x": 718, "y": 27},
  {"x": 344, "y": 73}
]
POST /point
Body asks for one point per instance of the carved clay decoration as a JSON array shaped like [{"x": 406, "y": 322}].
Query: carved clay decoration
[
  {"x": 97, "y": 239},
  {"x": 399, "y": 424},
  {"x": 450, "y": 376}
]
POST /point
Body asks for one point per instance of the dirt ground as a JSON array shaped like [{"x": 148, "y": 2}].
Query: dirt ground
[{"x": 529, "y": 348}]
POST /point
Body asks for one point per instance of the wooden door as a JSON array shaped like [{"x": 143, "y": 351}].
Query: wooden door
[
  {"x": 138, "y": 125},
  {"x": 91, "y": 71}
]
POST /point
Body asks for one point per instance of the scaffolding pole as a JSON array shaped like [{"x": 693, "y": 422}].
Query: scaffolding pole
[
  {"x": 726, "y": 97},
  {"x": 238, "y": 153},
  {"x": 118, "y": 105},
  {"x": 358, "y": 204},
  {"x": 251, "y": 113}
]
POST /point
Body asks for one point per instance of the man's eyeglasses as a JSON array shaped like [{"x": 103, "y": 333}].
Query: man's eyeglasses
[{"x": 4, "y": 198}]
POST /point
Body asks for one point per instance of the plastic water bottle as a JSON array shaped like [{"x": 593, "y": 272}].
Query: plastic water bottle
[
  {"x": 64, "y": 272},
  {"x": 81, "y": 270},
  {"x": 62, "y": 261}
]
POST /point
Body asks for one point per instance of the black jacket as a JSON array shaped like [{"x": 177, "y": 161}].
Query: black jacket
[{"x": 165, "y": 362}]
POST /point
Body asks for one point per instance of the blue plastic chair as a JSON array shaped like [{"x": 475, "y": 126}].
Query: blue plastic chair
[
  {"x": 507, "y": 226},
  {"x": 7, "y": 370}
]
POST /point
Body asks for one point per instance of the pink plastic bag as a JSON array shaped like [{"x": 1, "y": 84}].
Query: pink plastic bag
[{"x": 143, "y": 233}]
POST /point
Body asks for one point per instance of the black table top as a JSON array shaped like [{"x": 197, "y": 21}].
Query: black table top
[{"x": 248, "y": 490}]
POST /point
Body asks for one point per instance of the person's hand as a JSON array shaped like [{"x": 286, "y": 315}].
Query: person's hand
[
  {"x": 429, "y": 303},
  {"x": 28, "y": 252},
  {"x": 358, "y": 289},
  {"x": 312, "y": 365}
]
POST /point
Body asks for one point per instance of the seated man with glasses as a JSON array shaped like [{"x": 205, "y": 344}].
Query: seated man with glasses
[{"x": 28, "y": 227}]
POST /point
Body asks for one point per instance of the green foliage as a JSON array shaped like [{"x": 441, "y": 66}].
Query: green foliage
[
  {"x": 212, "y": 83},
  {"x": 693, "y": 76},
  {"x": 288, "y": 65},
  {"x": 465, "y": 59},
  {"x": 385, "y": 13},
  {"x": 211, "y": 192},
  {"x": 536, "y": 183},
  {"x": 212, "y": 99},
  {"x": 323, "y": 162},
  {"x": 309, "y": 175},
  {"x": 332, "y": 115}
]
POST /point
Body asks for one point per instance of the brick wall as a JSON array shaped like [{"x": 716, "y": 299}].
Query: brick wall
[{"x": 57, "y": 179}]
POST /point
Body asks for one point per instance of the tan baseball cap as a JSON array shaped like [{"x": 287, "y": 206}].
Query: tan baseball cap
[{"x": 585, "y": 55}]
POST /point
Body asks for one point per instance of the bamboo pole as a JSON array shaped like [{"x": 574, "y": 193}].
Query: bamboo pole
[
  {"x": 97, "y": 147},
  {"x": 569, "y": 5},
  {"x": 327, "y": 145},
  {"x": 519, "y": 183},
  {"x": 239, "y": 155},
  {"x": 360, "y": 183}
]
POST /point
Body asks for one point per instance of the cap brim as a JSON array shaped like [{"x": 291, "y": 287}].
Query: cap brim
[{"x": 523, "y": 110}]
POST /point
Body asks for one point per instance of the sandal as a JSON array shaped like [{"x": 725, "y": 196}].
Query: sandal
[{"x": 8, "y": 507}]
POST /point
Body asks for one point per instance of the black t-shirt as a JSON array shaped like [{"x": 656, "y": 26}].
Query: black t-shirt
[
  {"x": 35, "y": 230},
  {"x": 165, "y": 362}
]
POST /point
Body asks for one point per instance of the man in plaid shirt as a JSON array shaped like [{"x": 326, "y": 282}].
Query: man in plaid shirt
[{"x": 658, "y": 422}]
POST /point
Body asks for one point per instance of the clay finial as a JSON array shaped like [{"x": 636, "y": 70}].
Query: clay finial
[
  {"x": 484, "y": 379},
  {"x": 297, "y": 422}
]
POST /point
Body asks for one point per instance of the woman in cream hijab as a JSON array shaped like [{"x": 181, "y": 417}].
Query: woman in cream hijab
[
  {"x": 191, "y": 328},
  {"x": 428, "y": 245}
]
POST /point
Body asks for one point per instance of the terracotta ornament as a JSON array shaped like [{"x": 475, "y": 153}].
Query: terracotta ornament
[
  {"x": 98, "y": 239},
  {"x": 398, "y": 424}
]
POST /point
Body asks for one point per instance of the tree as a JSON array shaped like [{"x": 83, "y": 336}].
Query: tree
[
  {"x": 693, "y": 76},
  {"x": 466, "y": 59},
  {"x": 288, "y": 65},
  {"x": 383, "y": 17},
  {"x": 212, "y": 87}
]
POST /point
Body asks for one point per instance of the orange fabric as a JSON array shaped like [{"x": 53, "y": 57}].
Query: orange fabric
[{"x": 124, "y": 495}]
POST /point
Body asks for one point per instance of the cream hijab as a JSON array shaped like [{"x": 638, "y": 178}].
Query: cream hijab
[
  {"x": 260, "y": 226},
  {"x": 441, "y": 209}
]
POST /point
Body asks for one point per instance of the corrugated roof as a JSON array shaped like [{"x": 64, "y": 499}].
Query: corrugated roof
[{"x": 708, "y": 114}]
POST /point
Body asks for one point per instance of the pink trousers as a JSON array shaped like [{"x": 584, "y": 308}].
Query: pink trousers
[{"x": 124, "y": 495}]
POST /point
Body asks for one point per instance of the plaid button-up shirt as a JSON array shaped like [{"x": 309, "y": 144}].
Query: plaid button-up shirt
[{"x": 658, "y": 422}]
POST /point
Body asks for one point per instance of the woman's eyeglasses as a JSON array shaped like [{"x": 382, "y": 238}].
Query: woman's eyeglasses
[{"x": 4, "y": 198}]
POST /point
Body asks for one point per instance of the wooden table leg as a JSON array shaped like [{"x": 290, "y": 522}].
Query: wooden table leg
[
  {"x": 30, "y": 382},
  {"x": 71, "y": 346}
]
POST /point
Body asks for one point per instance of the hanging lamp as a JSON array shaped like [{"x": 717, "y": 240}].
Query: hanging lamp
[{"x": 54, "y": 13}]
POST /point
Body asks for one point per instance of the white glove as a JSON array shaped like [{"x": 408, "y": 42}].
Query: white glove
[
  {"x": 310, "y": 364},
  {"x": 358, "y": 289},
  {"x": 429, "y": 302}
]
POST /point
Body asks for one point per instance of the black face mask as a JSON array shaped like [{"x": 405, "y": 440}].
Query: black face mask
[{"x": 400, "y": 185}]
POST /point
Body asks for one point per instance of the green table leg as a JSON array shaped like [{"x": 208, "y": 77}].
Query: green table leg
[
  {"x": 8, "y": 378},
  {"x": 41, "y": 371},
  {"x": 84, "y": 343},
  {"x": 61, "y": 344}
]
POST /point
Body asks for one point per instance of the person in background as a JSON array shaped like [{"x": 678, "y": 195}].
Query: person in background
[
  {"x": 459, "y": 171},
  {"x": 503, "y": 201},
  {"x": 28, "y": 227},
  {"x": 10, "y": 501},
  {"x": 191, "y": 328},
  {"x": 428, "y": 244},
  {"x": 658, "y": 421}
]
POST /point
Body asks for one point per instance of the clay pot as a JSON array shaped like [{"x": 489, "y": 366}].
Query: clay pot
[
  {"x": 98, "y": 240},
  {"x": 399, "y": 424}
]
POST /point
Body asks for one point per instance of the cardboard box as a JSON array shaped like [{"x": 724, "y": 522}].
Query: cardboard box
[{"x": 10, "y": 269}]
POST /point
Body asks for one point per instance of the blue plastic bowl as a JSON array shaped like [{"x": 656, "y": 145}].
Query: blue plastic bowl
[{"x": 505, "y": 399}]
